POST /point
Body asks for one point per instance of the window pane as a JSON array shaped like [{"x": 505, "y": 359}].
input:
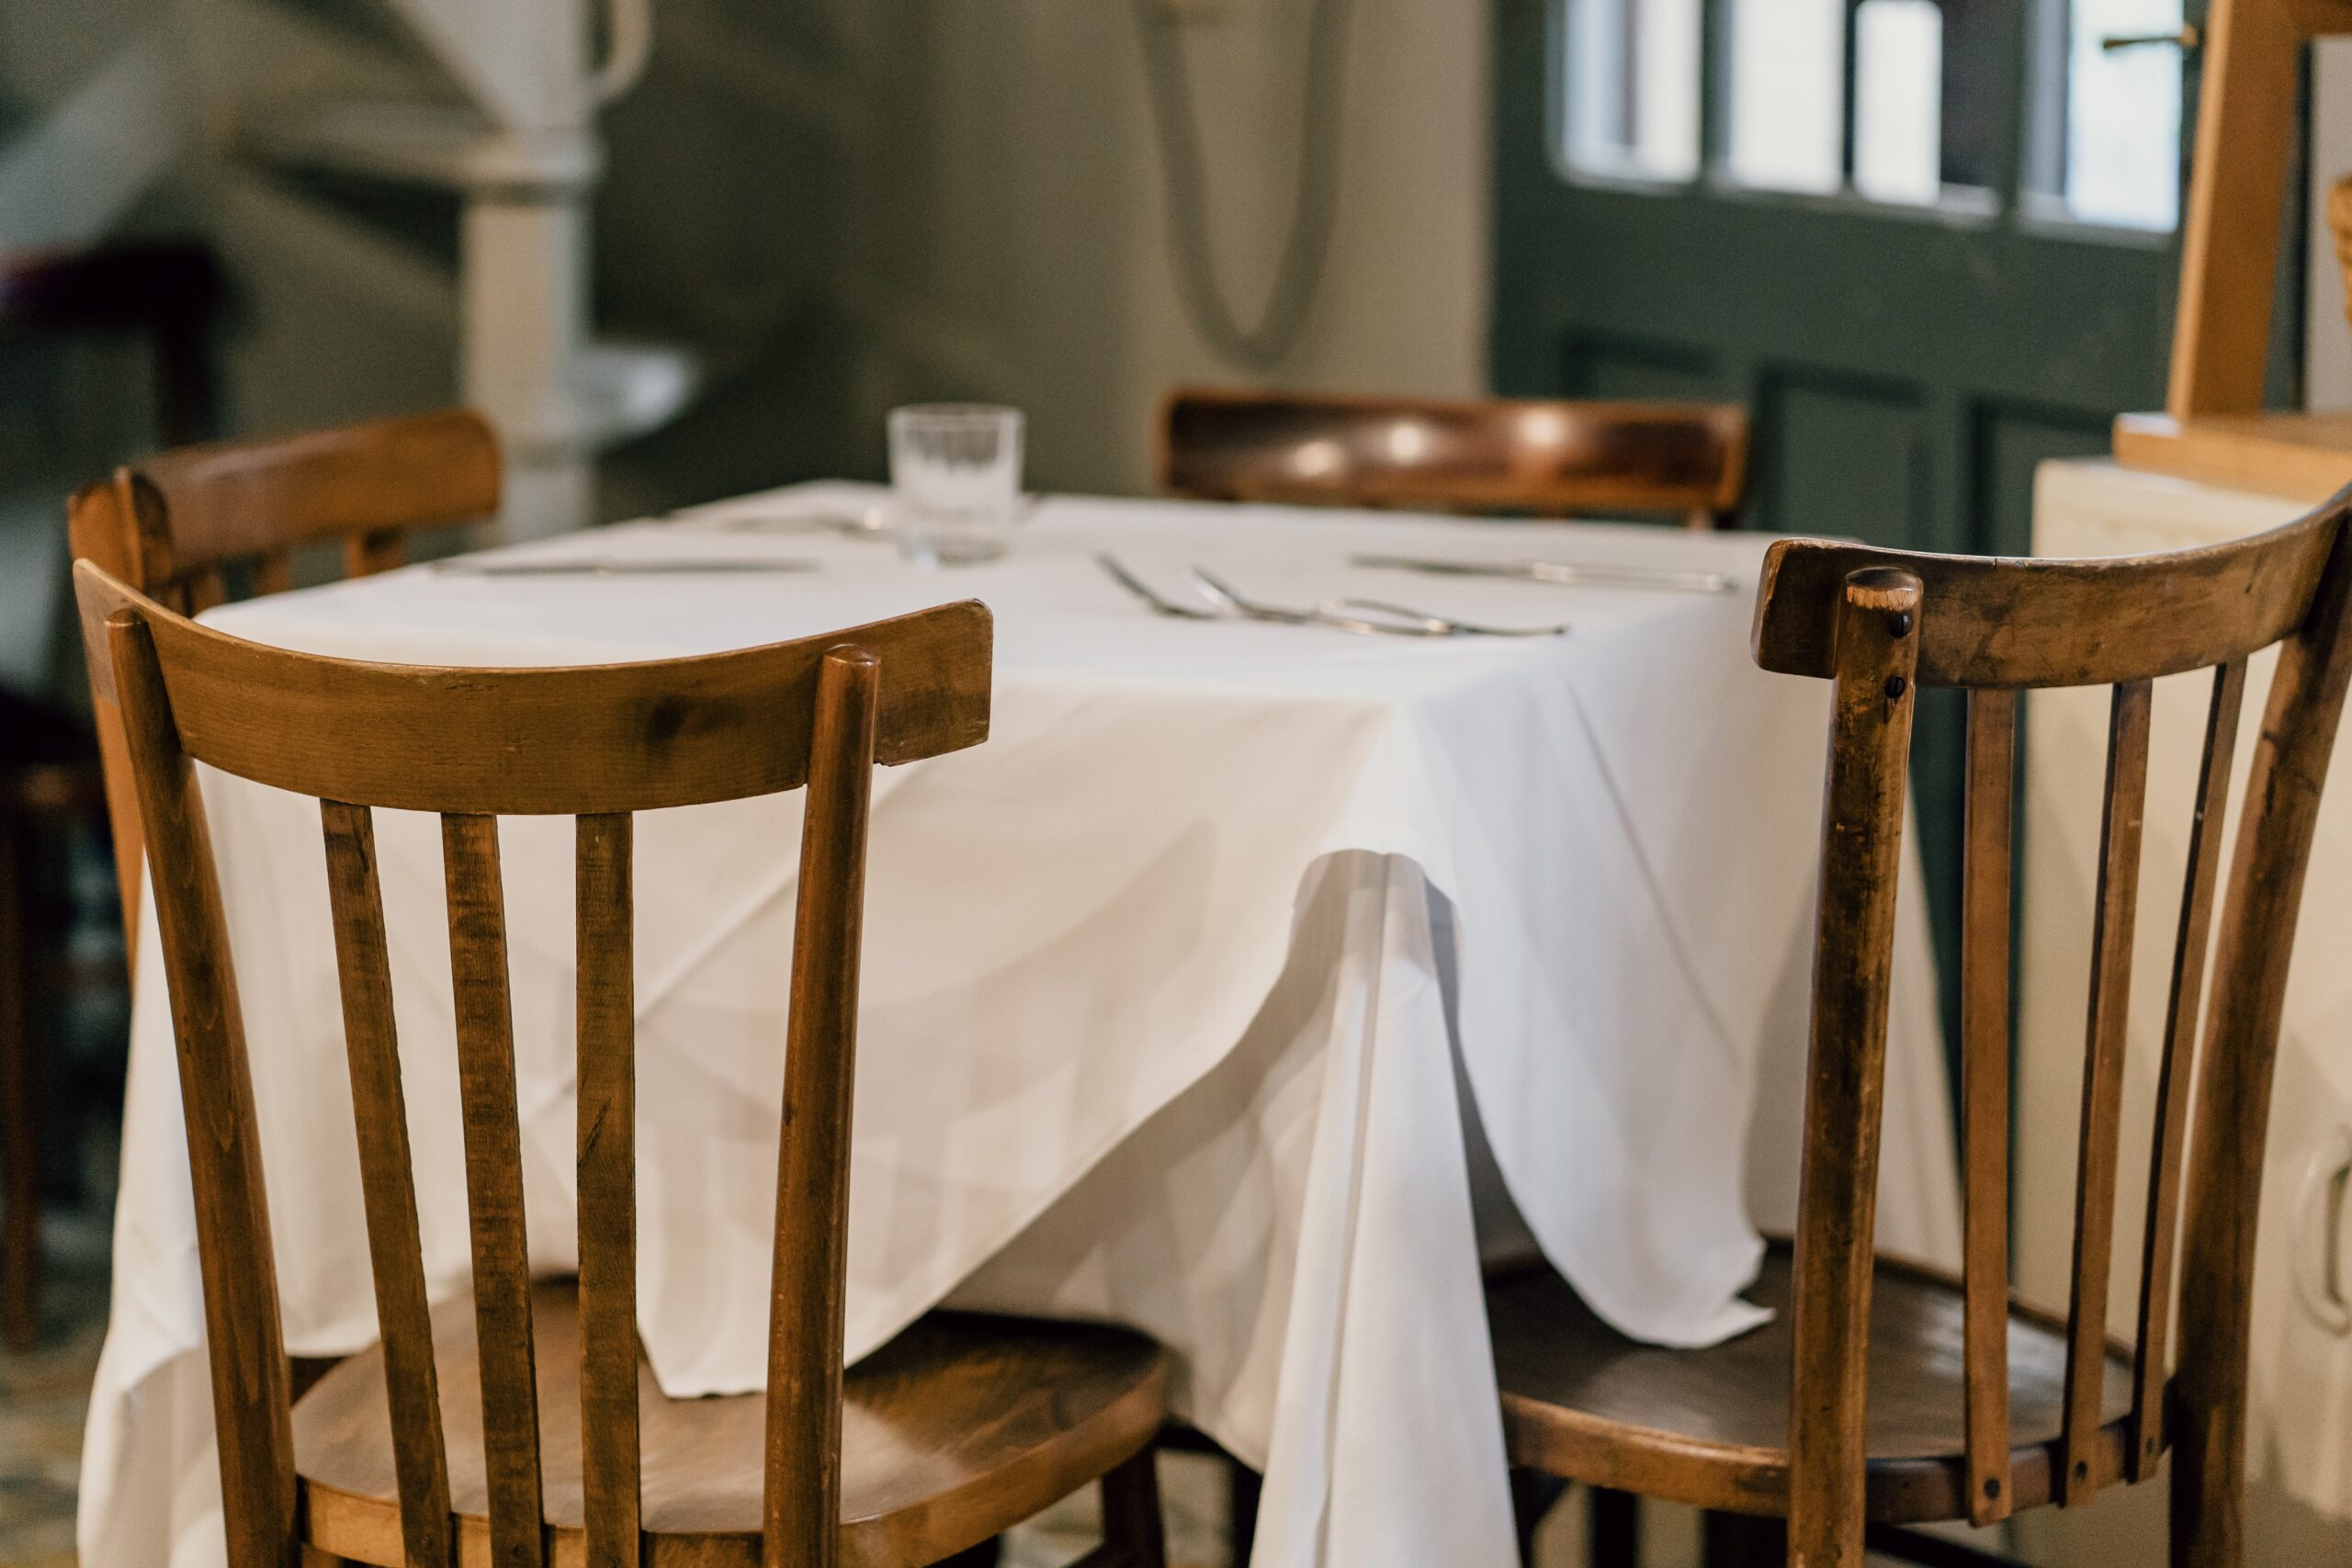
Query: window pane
[
  {"x": 2120, "y": 150},
  {"x": 1898, "y": 100},
  {"x": 1788, "y": 95},
  {"x": 1632, "y": 87}
]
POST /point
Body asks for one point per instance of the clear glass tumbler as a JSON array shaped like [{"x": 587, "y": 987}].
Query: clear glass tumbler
[{"x": 955, "y": 479}]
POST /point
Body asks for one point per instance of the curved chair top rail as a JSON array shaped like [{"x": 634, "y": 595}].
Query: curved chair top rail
[
  {"x": 577, "y": 740},
  {"x": 196, "y": 508},
  {"x": 1545, "y": 456},
  {"x": 1998, "y": 622}
]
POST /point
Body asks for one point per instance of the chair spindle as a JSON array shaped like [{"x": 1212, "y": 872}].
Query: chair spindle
[
  {"x": 494, "y": 1189},
  {"x": 2111, "y": 991},
  {"x": 1988, "y": 837},
  {"x": 2176, "y": 1074},
  {"x": 379, "y": 1112},
  {"x": 607, "y": 1093}
]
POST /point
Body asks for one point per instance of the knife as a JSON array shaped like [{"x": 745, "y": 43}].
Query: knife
[
  {"x": 1580, "y": 574},
  {"x": 610, "y": 566}
]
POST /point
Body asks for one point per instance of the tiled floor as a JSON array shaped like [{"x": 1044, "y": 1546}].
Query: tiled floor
[
  {"x": 43, "y": 1397},
  {"x": 42, "y": 1400}
]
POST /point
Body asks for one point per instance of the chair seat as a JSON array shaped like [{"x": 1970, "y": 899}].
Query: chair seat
[
  {"x": 957, "y": 1429},
  {"x": 1710, "y": 1427}
]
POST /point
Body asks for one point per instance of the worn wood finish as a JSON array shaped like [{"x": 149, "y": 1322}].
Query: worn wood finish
[
  {"x": 246, "y": 1346},
  {"x": 955, "y": 1432},
  {"x": 1872, "y": 698},
  {"x": 493, "y": 1137},
  {"x": 804, "y": 1454},
  {"x": 542, "y": 1438},
  {"x": 2116, "y": 904},
  {"x": 1710, "y": 1427},
  {"x": 2175, "y": 1073},
  {"x": 200, "y": 508},
  {"x": 1976, "y": 1406},
  {"x": 1988, "y": 833},
  {"x": 2234, "y": 1071},
  {"x": 379, "y": 1112},
  {"x": 606, "y": 1079},
  {"x": 169, "y": 526},
  {"x": 1550, "y": 458},
  {"x": 2001, "y": 622},
  {"x": 538, "y": 742}
]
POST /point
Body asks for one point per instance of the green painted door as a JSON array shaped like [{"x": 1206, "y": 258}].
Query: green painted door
[{"x": 1884, "y": 225}]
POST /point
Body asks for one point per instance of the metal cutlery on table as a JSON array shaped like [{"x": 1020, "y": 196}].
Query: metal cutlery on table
[
  {"x": 1150, "y": 596},
  {"x": 873, "y": 522},
  {"x": 1581, "y": 574},
  {"x": 613, "y": 566},
  {"x": 1364, "y": 617}
]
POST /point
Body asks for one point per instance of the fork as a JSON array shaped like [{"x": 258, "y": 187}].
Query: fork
[
  {"x": 1370, "y": 616},
  {"x": 1144, "y": 591}
]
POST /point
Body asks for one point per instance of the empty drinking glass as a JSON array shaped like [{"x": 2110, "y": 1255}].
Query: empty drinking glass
[{"x": 956, "y": 476}]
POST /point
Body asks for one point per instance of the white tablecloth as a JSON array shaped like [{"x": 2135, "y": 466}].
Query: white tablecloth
[{"x": 1169, "y": 991}]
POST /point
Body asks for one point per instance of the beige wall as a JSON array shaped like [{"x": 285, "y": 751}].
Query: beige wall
[
  {"x": 965, "y": 197},
  {"x": 1050, "y": 251}
]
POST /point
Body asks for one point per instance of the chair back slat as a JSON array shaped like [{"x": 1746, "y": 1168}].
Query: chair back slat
[
  {"x": 1547, "y": 458},
  {"x": 388, "y": 1183},
  {"x": 801, "y": 1495},
  {"x": 2116, "y": 906},
  {"x": 607, "y": 1174},
  {"x": 2174, "y": 1072},
  {"x": 1991, "y": 627},
  {"x": 205, "y": 589},
  {"x": 273, "y": 572},
  {"x": 244, "y": 1340},
  {"x": 510, "y": 1399},
  {"x": 823, "y": 711},
  {"x": 377, "y": 549},
  {"x": 1988, "y": 834},
  {"x": 1872, "y": 698}
]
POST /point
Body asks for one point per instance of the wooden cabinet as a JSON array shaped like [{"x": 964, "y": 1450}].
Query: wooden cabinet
[{"x": 2303, "y": 1353}]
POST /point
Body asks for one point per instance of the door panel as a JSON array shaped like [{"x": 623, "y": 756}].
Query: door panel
[{"x": 1906, "y": 364}]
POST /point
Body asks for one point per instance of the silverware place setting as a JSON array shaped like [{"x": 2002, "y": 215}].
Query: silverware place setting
[
  {"x": 1579, "y": 574},
  {"x": 1363, "y": 617}
]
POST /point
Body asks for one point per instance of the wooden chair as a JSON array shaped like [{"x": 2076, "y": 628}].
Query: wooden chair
[
  {"x": 182, "y": 526},
  {"x": 1550, "y": 459},
  {"x": 1977, "y": 1407},
  {"x": 522, "y": 1426}
]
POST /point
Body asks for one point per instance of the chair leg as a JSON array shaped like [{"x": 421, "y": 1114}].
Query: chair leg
[
  {"x": 1616, "y": 1529},
  {"x": 1134, "y": 1534},
  {"x": 19, "y": 1162},
  {"x": 1532, "y": 1495},
  {"x": 1743, "y": 1540},
  {"x": 1243, "y": 1487}
]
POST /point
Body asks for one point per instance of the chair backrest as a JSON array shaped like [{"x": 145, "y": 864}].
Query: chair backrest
[
  {"x": 1879, "y": 625},
  {"x": 175, "y": 526},
  {"x": 598, "y": 743},
  {"x": 1457, "y": 455}
]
